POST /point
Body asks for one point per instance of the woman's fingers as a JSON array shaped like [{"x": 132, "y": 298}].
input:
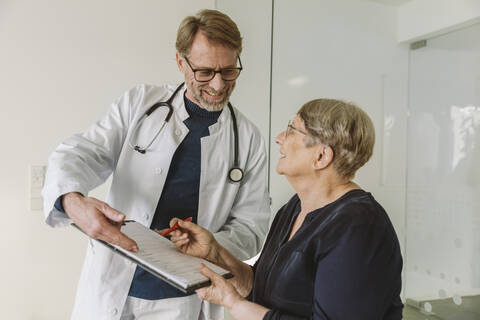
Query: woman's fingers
[
  {"x": 178, "y": 235},
  {"x": 217, "y": 291},
  {"x": 174, "y": 221},
  {"x": 202, "y": 293},
  {"x": 190, "y": 227},
  {"x": 205, "y": 293},
  {"x": 160, "y": 231},
  {"x": 207, "y": 272},
  {"x": 180, "y": 243}
]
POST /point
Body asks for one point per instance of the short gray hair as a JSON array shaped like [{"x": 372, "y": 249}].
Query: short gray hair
[{"x": 346, "y": 128}]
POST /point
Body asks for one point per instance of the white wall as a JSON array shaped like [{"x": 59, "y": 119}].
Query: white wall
[
  {"x": 252, "y": 92},
  {"x": 421, "y": 19},
  {"x": 62, "y": 63}
]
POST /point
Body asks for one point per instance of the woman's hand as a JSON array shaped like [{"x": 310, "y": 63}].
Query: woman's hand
[
  {"x": 220, "y": 291},
  {"x": 194, "y": 240}
]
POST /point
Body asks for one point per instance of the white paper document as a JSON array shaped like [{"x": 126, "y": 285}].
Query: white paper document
[{"x": 159, "y": 256}]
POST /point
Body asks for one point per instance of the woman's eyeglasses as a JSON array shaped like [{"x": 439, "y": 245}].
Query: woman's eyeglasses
[{"x": 290, "y": 127}]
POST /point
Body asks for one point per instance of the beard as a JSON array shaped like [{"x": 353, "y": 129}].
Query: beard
[{"x": 201, "y": 93}]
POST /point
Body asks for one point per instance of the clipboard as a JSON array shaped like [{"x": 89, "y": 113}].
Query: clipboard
[{"x": 160, "y": 257}]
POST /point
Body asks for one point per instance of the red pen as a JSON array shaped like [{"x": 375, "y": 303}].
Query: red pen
[{"x": 175, "y": 227}]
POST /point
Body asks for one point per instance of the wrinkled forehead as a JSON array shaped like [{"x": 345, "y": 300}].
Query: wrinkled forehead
[
  {"x": 298, "y": 122},
  {"x": 206, "y": 53}
]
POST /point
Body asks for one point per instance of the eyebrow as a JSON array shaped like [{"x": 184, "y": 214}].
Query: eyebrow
[
  {"x": 234, "y": 65},
  {"x": 210, "y": 68}
]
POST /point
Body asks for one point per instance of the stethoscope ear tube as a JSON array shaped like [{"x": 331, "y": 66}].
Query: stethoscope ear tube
[
  {"x": 167, "y": 104},
  {"x": 235, "y": 174},
  {"x": 150, "y": 110}
]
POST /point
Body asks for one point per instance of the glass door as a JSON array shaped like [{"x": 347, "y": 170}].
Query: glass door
[{"x": 442, "y": 260}]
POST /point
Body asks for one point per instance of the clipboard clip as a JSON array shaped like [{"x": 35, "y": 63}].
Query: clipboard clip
[{"x": 123, "y": 223}]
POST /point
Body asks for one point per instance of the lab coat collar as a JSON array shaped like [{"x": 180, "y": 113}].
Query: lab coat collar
[
  {"x": 222, "y": 119},
  {"x": 179, "y": 104},
  {"x": 179, "y": 107}
]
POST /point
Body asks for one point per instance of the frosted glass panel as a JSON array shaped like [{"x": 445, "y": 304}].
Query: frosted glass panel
[{"x": 443, "y": 179}]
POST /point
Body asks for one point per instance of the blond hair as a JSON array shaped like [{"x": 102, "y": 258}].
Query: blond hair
[
  {"x": 215, "y": 25},
  {"x": 346, "y": 128}
]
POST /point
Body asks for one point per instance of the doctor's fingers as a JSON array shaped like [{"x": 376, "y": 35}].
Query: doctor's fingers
[
  {"x": 113, "y": 235},
  {"x": 109, "y": 212}
]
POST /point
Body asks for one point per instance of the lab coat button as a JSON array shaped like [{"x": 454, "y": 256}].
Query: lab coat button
[
  {"x": 158, "y": 170},
  {"x": 146, "y": 216},
  {"x": 114, "y": 311},
  {"x": 178, "y": 132}
]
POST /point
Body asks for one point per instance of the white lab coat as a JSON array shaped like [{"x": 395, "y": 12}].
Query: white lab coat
[{"x": 237, "y": 213}]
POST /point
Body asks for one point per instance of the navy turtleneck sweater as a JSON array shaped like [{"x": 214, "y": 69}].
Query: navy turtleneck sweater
[{"x": 179, "y": 197}]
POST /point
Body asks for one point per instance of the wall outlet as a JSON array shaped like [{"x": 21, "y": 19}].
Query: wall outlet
[{"x": 37, "y": 179}]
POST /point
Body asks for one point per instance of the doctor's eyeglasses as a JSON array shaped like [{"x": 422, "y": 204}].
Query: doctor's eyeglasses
[{"x": 205, "y": 75}]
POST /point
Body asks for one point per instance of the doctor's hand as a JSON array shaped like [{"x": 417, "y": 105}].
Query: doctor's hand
[
  {"x": 194, "y": 240},
  {"x": 220, "y": 291},
  {"x": 97, "y": 219}
]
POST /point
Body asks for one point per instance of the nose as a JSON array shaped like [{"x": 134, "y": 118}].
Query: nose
[
  {"x": 280, "y": 138},
  {"x": 217, "y": 82}
]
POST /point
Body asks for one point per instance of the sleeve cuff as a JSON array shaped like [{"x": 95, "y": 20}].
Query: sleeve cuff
[{"x": 58, "y": 204}]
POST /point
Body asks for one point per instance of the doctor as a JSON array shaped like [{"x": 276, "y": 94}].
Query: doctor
[{"x": 192, "y": 155}]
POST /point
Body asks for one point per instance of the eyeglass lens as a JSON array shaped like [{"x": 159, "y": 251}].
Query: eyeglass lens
[
  {"x": 209, "y": 74},
  {"x": 288, "y": 128},
  {"x": 204, "y": 75}
]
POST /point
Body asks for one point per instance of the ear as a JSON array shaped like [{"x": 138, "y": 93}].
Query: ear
[
  {"x": 323, "y": 157},
  {"x": 180, "y": 62}
]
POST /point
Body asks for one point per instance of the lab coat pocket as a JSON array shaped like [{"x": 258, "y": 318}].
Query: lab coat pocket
[{"x": 99, "y": 261}]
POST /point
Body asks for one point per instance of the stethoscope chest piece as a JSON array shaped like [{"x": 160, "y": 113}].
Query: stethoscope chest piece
[{"x": 235, "y": 175}]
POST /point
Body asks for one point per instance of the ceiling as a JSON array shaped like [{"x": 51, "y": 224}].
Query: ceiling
[{"x": 392, "y": 2}]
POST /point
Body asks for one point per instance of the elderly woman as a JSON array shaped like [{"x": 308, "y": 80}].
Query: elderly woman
[{"x": 331, "y": 252}]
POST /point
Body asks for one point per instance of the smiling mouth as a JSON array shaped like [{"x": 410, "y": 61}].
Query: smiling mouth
[{"x": 213, "y": 95}]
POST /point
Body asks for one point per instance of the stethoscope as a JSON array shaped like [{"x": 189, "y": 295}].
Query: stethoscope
[{"x": 235, "y": 174}]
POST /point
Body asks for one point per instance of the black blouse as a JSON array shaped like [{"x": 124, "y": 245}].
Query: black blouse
[{"x": 343, "y": 263}]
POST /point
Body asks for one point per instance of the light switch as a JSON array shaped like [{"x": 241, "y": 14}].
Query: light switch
[{"x": 37, "y": 179}]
